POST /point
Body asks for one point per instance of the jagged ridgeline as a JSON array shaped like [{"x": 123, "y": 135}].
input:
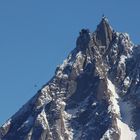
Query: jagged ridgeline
[{"x": 94, "y": 94}]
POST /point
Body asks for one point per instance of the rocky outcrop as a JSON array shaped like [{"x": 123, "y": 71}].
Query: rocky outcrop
[{"x": 94, "y": 94}]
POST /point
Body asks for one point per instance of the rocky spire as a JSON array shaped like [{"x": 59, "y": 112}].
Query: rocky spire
[
  {"x": 83, "y": 39},
  {"x": 104, "y": 32}
]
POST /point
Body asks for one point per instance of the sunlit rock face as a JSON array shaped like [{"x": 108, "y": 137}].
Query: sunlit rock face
[{"x": 94, "y": 94}]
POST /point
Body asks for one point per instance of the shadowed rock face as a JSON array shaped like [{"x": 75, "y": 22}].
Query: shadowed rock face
[
  {"x": 104, "y": 33},
  {"x": 91, "y": 96}
]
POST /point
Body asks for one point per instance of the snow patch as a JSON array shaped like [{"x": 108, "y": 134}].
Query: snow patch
[
  {"x": 78, "y": 62},
  {"x": 126, "y": 81},
  {"x": 125, "y": 109},
  {"x": 88, "y": 59},
  {"x": 114, "y": 107},
  {"x": 7, "y": 124},
  {"x": 44, "y": 98},
  {"x": 107, "y": 135},
  {"x": 94, "y": 104},
  {"x": 65, "y": 62},
  {"x": 60, "y": 104},
  {"x": 79, "y": 54},
  {"x": 42, "y": 120},
  {"x": 126, "y": 133},
  {"x": 60, "y": 74},
  {"x": 122, "y": 59}
]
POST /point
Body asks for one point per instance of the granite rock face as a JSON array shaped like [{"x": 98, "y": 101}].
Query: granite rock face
[{"x": 94, "y": 94}]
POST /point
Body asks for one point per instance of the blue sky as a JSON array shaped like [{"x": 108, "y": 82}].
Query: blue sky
[{"x": 35, "y": 36}]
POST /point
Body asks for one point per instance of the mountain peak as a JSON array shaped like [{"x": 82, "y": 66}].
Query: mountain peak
[
  {"x": 104, "y": 32},
  {"x": 83, "y": 39},
  {"x": 94, "y": 94},
  {"x": 104, "y": 19},
  {"x": 102, "y": 36}
]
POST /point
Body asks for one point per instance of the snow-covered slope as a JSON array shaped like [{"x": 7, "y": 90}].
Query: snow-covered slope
[
  {"x": 124, "y": 130},
  {"x": 94, "y": 94}
]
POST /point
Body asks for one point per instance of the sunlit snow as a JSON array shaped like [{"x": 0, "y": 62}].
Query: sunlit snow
[{"x": 126, "y": 132}]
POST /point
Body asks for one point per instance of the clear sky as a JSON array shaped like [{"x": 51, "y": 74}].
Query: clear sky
[{"x": 35, "y": 36}]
